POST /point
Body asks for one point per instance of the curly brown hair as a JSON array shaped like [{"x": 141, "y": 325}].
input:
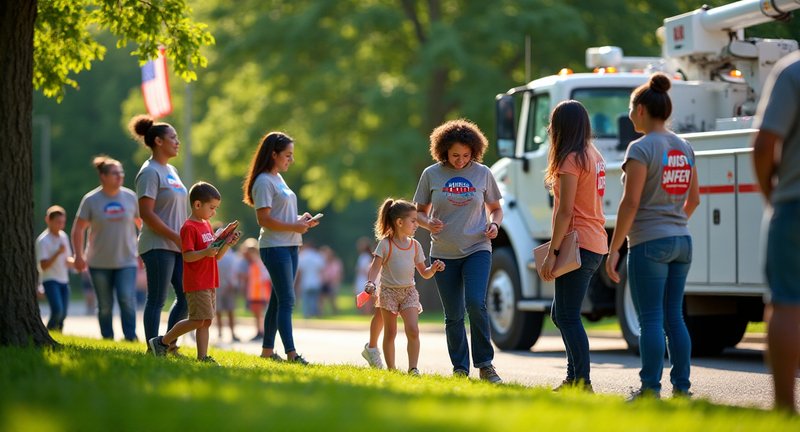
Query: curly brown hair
[{"x": 461, "y": 131}]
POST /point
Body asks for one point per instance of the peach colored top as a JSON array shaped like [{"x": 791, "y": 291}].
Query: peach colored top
[{"x": 588, "y": 210}]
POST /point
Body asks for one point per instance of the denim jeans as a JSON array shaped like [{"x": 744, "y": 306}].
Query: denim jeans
[
  {"x": 566, "y": 314},
  {"x": 58, "y": 296},
  {"x": 657, "y": 272},
  {"x": 163, "y": 266},
  {"x": 106, "y": 282},
  {"x": 281, "y": 263},
  {"x": 463, "y": 286},
  {"x": 783, "y": 254}
]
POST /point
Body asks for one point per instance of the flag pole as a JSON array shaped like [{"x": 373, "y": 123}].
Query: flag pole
[{"x": 186, "y": 142}]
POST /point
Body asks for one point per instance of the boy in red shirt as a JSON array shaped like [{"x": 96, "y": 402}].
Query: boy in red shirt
[{"x": 200, "y": 277}]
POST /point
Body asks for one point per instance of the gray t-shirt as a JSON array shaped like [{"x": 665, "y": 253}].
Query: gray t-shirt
[
  {"x": 269, "y": 190},
  {"x": 779, "y": 113},
  {"x": 112, "y": 229},
  {"x": 399, "y": 264},
  {"x": 458, "y": 199},
  {"x": 162, "y": 183},
  {"x": 669, "y": 160}
]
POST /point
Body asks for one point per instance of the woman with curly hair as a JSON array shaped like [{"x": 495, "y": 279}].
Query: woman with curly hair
[{"x": 454, "y": 197}]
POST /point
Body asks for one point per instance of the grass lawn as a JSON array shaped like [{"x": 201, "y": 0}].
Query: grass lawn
[{"x": 97, "y": 385}]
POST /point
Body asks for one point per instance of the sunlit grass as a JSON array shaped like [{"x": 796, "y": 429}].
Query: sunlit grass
[{"x": 97, "y": 385}]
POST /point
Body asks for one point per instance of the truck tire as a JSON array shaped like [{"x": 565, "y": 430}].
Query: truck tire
[
  {"x": 511, "y": 329},
  {"x": 626, "y": 314},
  {"x": 713, "y": 333}
]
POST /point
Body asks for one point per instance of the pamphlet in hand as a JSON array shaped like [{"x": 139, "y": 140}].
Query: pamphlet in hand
[{"x": 223, "y": 235}]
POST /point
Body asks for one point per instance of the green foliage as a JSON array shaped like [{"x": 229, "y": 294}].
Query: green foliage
[
  {"x": 64, "y": 43},
  {"x": 91, "y": 385}
]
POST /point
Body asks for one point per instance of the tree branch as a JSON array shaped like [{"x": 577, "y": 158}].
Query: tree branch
[{"x": 408, "y": 8}]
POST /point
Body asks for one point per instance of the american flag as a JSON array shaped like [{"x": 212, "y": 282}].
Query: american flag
[{"x": 155, "y": 86}]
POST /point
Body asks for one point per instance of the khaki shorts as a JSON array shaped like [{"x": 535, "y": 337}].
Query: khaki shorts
[
  {"x": 398, "y": 299},
  {"x": 202, "y": 304}
]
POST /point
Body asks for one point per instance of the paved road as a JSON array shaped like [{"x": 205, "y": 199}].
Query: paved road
[{"x": 738, "y": 377}]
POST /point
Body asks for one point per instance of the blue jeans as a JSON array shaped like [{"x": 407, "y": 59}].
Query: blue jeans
[
  {"x": 58, "y": 296},
  {"x": 163, "y": 266},
  {"x": 281, "y": 263},
  {"x": 566, "y": 314},
  {"x": 463, "y": 286},
  {"x": 783, "y": 254},
  {"x": 106, "y": 282},
  {"x": 657, "y": 272}
]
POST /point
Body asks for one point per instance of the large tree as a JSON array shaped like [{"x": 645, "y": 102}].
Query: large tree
[{"x": 41, "y": 44}]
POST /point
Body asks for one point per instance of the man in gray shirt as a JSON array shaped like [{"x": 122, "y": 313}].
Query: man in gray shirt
[{"x": 778, "y": 121}]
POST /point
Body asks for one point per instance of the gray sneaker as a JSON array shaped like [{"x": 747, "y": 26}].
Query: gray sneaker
[
  {"x": 298, "y": 359},
  {"x": 643, "y": 393},
  {"x": 487, "y": 373},
  {"x": 460, "y": 373},
  {"x": 414, "y": 372},
  {"x": 274, "y": 357},
  {"x": 372, "y": 356},
  {"x": 157, "y": 347},
  {"x": 208, "y": 359}
]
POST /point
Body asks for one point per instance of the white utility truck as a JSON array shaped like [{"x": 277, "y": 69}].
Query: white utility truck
[{"x": 717, "y": 75}]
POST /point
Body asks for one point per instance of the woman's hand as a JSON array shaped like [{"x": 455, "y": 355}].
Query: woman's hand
[
  {"x": 301, "y": 226},
  {"x": 80, "y": 263},
  {"x": 547, "y": 267},
  {"x": 309, "y": 219},
  {"x": 436, "y": 226},
  {"x": 491, "y": 230},
  {"x": 612, "y": 261}
]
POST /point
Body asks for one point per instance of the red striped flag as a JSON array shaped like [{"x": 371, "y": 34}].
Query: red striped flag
[{"x": 155, "y": 86}]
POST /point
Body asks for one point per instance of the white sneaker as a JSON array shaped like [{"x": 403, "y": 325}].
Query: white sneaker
[{"x": 372, "y": 356}]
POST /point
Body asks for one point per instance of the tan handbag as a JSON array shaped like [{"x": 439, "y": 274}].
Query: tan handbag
[{"x": 568, "y": 259}]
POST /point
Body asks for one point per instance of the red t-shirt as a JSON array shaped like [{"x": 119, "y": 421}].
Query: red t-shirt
[{"x": 201, "y": 274}]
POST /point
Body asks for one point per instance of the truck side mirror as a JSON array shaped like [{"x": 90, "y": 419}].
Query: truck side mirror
[
  {"x": 504, "y": 108},
  {"x": 626, "y": 132}
]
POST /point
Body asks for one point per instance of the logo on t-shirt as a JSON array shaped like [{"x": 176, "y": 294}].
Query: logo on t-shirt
[
  {"x": 459, "y": 191},
  {"x": 207, "y": 237},
  {"x": 677, "y": 172},
  {"x": 600, "y": 168},
  {"x": 114, "y": 211},
  {"x": 174, "y": 183}
]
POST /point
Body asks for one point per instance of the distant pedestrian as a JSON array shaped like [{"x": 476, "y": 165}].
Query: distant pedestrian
[
  {"x": 163, "y": 207},
  {"x": 254, "y": 277},
  {"x": 332, "y": 276},
  {"x": 229, "y": 291},
  {"x": 201, "y": 278},
  {"x": 458, "y": 201},
  {"x": 55, "y": 259},
  {"x": 110, "y": 213},
  {"x": 777, "y": 119},
  {"x": 397, "y": 255},
  {"x": 310, "y": 265},
  {"x": 576, "y": 174},
  {"x": 280, "y": 237},
  {"x": 661, "y": 192}
]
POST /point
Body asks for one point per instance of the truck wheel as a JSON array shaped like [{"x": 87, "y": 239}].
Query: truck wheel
[
  {"x": 713, "y": 333},
  {"x": 626, "y": 314},
  {"x": 511, "y": 329}
]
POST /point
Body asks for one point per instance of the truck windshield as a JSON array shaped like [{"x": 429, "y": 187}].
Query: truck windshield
[{"x": 605, "y": 105}]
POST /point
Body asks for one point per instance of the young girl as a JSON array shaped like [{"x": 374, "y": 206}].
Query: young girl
[
  {"x": 576, "y": 172},
  {"x": 395, "y": 257}
]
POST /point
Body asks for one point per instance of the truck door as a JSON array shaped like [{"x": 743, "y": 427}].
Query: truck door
[
  {"x": 719, "y": 191},
  {"x": 750, "y": 207},
  {"x": 698, "y": 228}
]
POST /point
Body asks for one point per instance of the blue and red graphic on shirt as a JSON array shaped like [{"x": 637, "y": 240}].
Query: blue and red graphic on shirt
[
  {"x": 114, "y": 211},
  {"x": 677, "y": 172},
  {"x": 459, "y": 191},
  {"x": 174, "y": 183}
]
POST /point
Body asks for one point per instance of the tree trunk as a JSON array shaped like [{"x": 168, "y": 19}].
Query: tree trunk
[{"x": 20, "y": 322}]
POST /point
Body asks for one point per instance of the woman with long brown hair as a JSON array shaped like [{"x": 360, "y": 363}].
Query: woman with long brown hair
[
  {"x": 280, "y": 236},
  {"x": 576, "y": 174}
]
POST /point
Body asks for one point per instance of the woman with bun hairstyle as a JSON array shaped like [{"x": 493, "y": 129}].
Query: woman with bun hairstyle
[
  {"x": 280, "y": 238},
  {"x": 660, "y": 194},
  {"x": 163, "y": 206},
  {"x": 111, "y": 215}
]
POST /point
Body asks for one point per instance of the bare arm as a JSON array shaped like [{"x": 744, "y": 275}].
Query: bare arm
[
  {"x": 151, "y": 219},
  {"x": 765, "y": 145},
  {"x": 78, "y": 234},
  {"x": 428, "y": 272},
  {"x": 636, "y": 174},
  {"x": 495, "y": 211},
  {"x": 47, "y": 263},
  {"x": 568, "y": 188},
  {"x": 693, "y": 199}
]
